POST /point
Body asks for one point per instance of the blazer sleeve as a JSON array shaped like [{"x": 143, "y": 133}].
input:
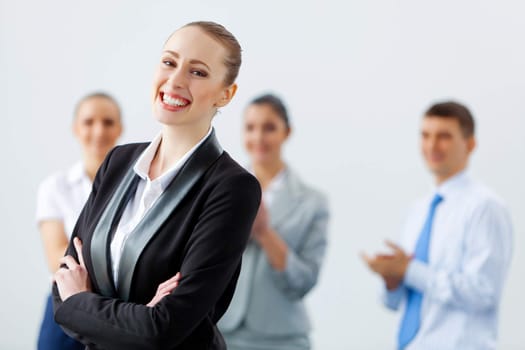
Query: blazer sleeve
[
  {"x": 303, "y": 265},
  {"x": 212, "y": 258}
]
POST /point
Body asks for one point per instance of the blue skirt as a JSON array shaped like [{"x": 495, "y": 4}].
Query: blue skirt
[{"x": 51, "y": 336}]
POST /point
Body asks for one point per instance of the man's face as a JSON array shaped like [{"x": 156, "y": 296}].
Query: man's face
[{"x": 445, "y": 149}]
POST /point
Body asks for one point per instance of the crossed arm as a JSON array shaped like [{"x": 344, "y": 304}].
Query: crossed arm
[
  {"x": 75, "y": 279},
  {"x": 210, "y": 263}
]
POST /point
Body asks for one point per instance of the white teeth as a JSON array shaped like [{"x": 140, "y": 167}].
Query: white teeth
[{"x": 173, "y": 101}]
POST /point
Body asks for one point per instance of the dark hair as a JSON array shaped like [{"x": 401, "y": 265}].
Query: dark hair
[
  {"x": 454, "y": 110},
  {"x": 97, "y": 94},
  {"x": 224, "y": 37},
  {"x": 276, "y": 104}
]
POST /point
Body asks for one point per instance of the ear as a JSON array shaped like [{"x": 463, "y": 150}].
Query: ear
[
  {"x": 120, "y": 128},
  {"x": 288, "y": 133},
  {"x": 471, "y": 144},
  {"x": 227, "y": 95},
  {"x": 74, "y": 127}
]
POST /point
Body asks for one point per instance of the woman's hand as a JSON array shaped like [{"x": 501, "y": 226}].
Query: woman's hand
[
  {"x": 260, "y": 224},
  {"x": 164, "y": 289},
  {"x": 73, "y": 279},
  {"x": 271, "y": 243}
]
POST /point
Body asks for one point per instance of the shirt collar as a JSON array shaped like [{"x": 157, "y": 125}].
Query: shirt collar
[
  {"x": 77, "y": 173},
  {"x": 143, "y": 163},
  {"x": 277, "y": 181},
  {"x": 451, "y": 185}
]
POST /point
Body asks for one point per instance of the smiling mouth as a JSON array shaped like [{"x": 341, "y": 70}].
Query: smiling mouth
[
  {"x": 174, "y": 101},
  {"x": 435, "y": 158}
]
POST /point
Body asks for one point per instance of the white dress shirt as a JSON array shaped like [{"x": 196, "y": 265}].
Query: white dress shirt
[
  {"x": 273, "y": 187},
  {"x": 62, "y": 196},
  {"x": 148, "y": 191},
  {"x": 469, "y": 255}
]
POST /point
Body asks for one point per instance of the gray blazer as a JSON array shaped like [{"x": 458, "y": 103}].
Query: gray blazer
[{"x": 269, "y": 301}]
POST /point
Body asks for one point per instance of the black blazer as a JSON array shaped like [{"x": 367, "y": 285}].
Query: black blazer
[{"x": 199, "y": 226}]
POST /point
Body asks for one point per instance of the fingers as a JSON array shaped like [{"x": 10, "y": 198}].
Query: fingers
[
  {"x": 366, "y": 258},
  {"x": 156, "y": 299},
  {"x": 165, "y": 288},
  {"x": 69, "y": 261},
  {"x": 57, "y": 275},
  {"x": 78, "y": 247},
  {"x": 168, "y": 288},
  {"x": 394, "y": 246},
  {"x": 384, "y": 256},
  {"x": 371, "y": 261},
  {"x": 174, "y": 279}
]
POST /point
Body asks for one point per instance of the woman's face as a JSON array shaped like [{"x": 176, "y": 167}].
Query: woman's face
[
  {"x": 264, "y": 134},
  {"x": 97, "y": 126},
  {"x": 189, "y": 81}
]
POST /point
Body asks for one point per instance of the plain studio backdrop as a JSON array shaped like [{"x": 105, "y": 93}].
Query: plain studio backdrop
[{"x": 356, "y": 77}]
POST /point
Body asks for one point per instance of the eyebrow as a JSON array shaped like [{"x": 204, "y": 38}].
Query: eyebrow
[{"x": 192, "y": 61}]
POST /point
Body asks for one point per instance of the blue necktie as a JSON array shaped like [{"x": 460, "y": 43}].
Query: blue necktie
[{"x": 411, "y": 319}]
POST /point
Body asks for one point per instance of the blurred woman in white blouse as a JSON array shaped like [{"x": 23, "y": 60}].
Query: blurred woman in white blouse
[
  {"x": 97, "y": 125},
  {"x": 282, "y": 260}
]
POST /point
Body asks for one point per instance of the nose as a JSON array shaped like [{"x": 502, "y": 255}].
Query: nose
[
  {"x": 253, "y": 137},
  {"x": 431, "y": 143},
  {"x": 258, "y": 136},
  {"x": 177, "y": 78},
  {"x": 98, "y": 130},
  {"x": 434, "y": 142}
]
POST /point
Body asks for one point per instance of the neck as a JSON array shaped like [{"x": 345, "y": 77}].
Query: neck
[
  {"x": 266, "y": 172},
  {"x": 176, "y": 142},
  {"x": 91, "y": 165},
  {"x": 442, "y": 178}
]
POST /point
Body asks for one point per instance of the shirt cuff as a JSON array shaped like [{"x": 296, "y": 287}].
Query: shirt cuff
[
  {"x": 417, "y": 275},
  {"x": 392, "y": 298}
]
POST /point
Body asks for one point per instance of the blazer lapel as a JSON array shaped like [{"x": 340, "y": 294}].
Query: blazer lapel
[
  {"x": 146, "y": 229},
  {"x": 100, "y": 241}
]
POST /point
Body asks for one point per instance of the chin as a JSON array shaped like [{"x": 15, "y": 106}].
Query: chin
[
  {"x": 101, "y": 152},
  {"x": 440, "y": 172},
  {"x": 172, "y": 118},
  {"x": 100, "y": 149},
  {"x": 434, "y": 165},
  {"x": 161, "y": 116},
  {"x": 265, "y": 161},
  {"x": 163, "y": 119}
]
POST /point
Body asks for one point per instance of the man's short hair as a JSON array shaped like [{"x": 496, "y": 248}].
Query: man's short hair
[{"x": 454, "y": 110}]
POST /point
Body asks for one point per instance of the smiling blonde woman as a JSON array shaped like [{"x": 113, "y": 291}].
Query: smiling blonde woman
[{"x": 176, "y": 212}]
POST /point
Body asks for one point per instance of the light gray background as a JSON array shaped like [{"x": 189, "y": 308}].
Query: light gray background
[{"x": 356, "y": 77}]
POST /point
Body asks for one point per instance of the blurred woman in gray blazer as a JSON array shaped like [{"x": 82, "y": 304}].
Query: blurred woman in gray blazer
[{"x": 282, "y": 260}]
